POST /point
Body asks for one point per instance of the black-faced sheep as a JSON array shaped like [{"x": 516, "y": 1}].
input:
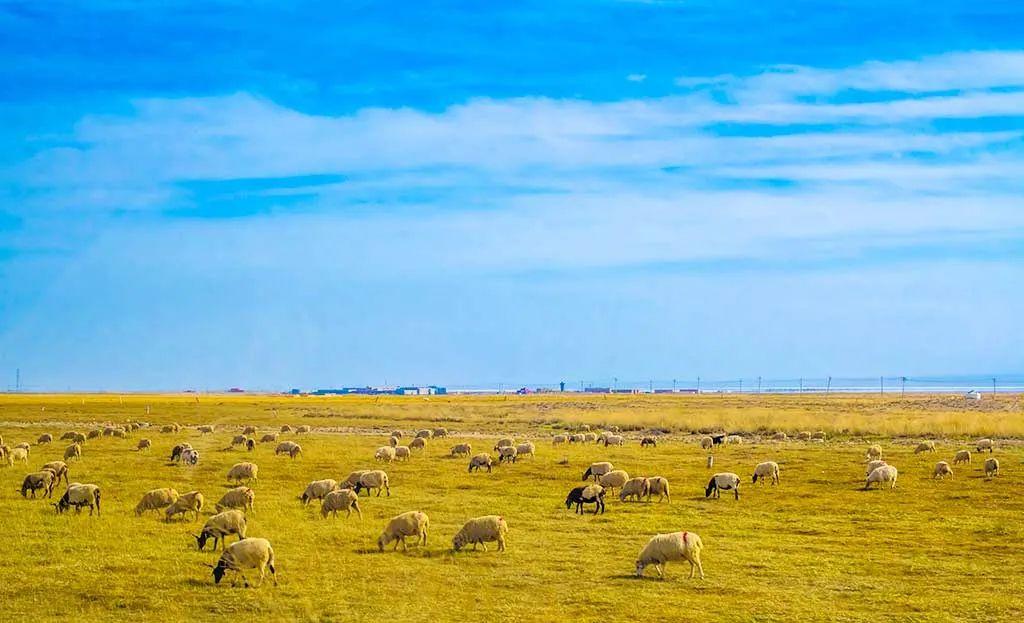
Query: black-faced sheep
[{"x": 589, "y": 494}]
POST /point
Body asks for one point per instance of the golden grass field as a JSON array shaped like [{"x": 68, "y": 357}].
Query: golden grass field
[{"x": 815, "y": 548}]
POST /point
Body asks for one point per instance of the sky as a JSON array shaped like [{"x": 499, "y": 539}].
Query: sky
[{"x": 206, "y": 195}]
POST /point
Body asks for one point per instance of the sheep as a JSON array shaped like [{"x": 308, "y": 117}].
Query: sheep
[
  {"x": 440, "y": 432},
  {"x": 648, "y": 441},
  {"x": 576, "y": 438},
  {"x": 79, "y": 495},
  {"x": 302, "y": 429},
  {"x": 925, "y": 446},
  {"x": 121, "y": 433},
  {"x": 874, "y": 452},
  {"x": 95, "y": 433},
  {"x": 177, "y": 450},
  {"x": 18, "y": 454},
  {"x": 220, "y": 526},
  {"x": 873, "y": 465},
  {"x": 374, "y": 479},
  {"x": 384, "y": 454},
  {"x": 819, "y": 436},
  {"x": 734, "y": 439},
  {"x": 504, "y": 442},
  {"x": 156, "y": 499},
  {"x": 420, "y": 443},
  {"x": 635, "y": 488},
  {"x": 353, "y": 479},
  {"x": 108, "y": 431},
  {"x": 65, "y": 437},
  {"x": 243, "y": 471},
  {"x": 190, "y": 456},
  {"x": 205, "y": 430},
  {"x": 168, "y": 428},
  {"x": 249, "y": 430},
  {"x": 658, "y": 485},
  {"x": 584, "y": 428},
  {"x": 882, "y": 474},
  {"x": 559, "y": 439},
  {"x": 24, "y": 446},
  {"x": 246, "y": 554},
  {"x": 706, "y": 443},
  {"x": 942, "y": 469},
  {"x": 479, "y": 461},
  {"x": 191, "y": 502},
  {"x": 723, "y": 481},
  {"x": 38, "y": 480},
  {"x": 481, "y": 530},
  {"x": 984, "y": 444},
  {"x": 597, "y": 470},
  {"x": 804, "y": 435},
  {"x": 525, "y": 449},
  {"x": 963, "y": 456},
  {"x": 286, "y": 429},
  {"x": 590, "y": 437},
  {"x": 507, "y": 453},
  {"x": 614, "y": 440},
  {"x": 768, "y": 469},
  {"x": 74, "y": 451},
  {"x": 340, "y": 499},
  {"x": 317, "y": 489},
  {"x": 462, "y": 449},
  {"x": 589, "y": 494},
  {"x": 396, "y": 433},
  {"x": 991, "y": 467},
  {"x": 614, "y": 479},
  {"x": 290, "y": 448},
  {"x": 402, "y": 453},
  {"x": 239, "y": 497},
  {"x": 250, "y": 444},
  {"x": 45, "y": 438},
  {"x": 238, "y": 440},
  {"x": 393, "y": 442},
  {"x": 59, "y": 469},
  {"x": 424, "y": 434},
  {"x": 663, "y": 548},
  {"x": 780, "y": 436},
  {"x": 412, "y": 523}
]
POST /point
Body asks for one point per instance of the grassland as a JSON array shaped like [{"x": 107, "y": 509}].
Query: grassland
[{"x": 816, "y": 548}]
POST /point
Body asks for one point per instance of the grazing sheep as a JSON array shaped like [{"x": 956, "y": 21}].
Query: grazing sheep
[
  {"x": 925, "y": 446},
  {"x": 353, "y": 479},
  {"x": 268, "y": 438},
  {"x": 526, "y": 449},
  {"x": 589, "y": 494},
  {"x": 317, "y": 490},
  {"x": 440, "y": 432},
  {"x": 419, "y": 443},
  {"x": 290, "y": 448},
  {"x": 635, "y": 489},
  {"x": 402, "y": 453},
  {"x": 663, "y": 548},
  {"x": 723, "y": 481},
  {"x": 246, "y": 554},
  {"x": 45, "y": 438},
  {"x": 121, "y": 433},
  {"x": 396, "y": 433},
  {"x": 734, "y": 439},
  {"x": 480, "y": 531},
  {"x": 18, "y": 454},
  {"x": 302, "y": 429},
  {"x": 65, "y": 437},
  {"x": 220, "y": 526},
  {"x": 873, "y": 465},
  {"x": 189, "y": 456},
  {"x": 59, "y": 469},
  {"x": 238, "y": 440},
  {"x": 250, "y": 444},
  {"x": 374, "y": 479},
  {"x": 393, "y": 442},
  {"x": 249, "y": 430},
  {"x": 191, "y": 502},
  {"x": 577, "y": 438},
  {"x": 819, "y": 436},
  {"x": 882, "y": 474},
  {"x": 507, "y": 453},
  {"x": 658, "y": 485},
  {"x": 286, "y": 429},
  {"x": 424, "y": 434},
  {"x": 384, "y": 454},
  {"x": 338, "y": 500},
  {"x": 874, "y": 452},
  {"x": 42, "y": 480},
  {"x": 504, "y": 442},
  {"x": 963, "y": 456},
  {"x": 239, "y": 497},
  {"x": 24, "y": 446},
  {"x": 79, "y": 495},
  {"x": 804, "y": 435},
  {"x": 768, "y": 469},
  {"x": 243, "y": 471},
  {"x": 412, "y": 523},
  {"x": 155, "y": 499},
  {"x": 942, "y": 469},
  {"x": 205, "y": 430},
  {"x": 74, "y": 451},
  {"x": 991, "y": 467},
  {"x": 648, "y": 441},
  {"x": 614, "y": 440},
  {"x": 78, "y": 438},
  {"x": 95, "y": 433},
  {"x": 780, "y": 436},
  {"x": 597, "y": 470},
  {"x": 479, "y": 461},
  {"x": 559, "y": 439},
  {"x": 590, "y": 437},
  {"x": 168, "y": 428},
  {"x": 462, "y": 449},
  {"x": 614, "y": 479},
  {"x": 177, "y": 451},
  {"x": 706, "y": 443},
  {"x": 985, "y": 444}
]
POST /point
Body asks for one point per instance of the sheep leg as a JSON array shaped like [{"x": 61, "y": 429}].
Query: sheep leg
[
  {"x": 483, "y": 545},
  {"x": 661, "y": 571}
]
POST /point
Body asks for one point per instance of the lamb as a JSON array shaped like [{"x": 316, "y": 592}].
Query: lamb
[
  {"x": 925, "y": 446},
  {"x": 144, "y": 444},
  {"x": 768, "y": 469},
  {"x": 239, "y": 497},
  {"x": 942, "y": 469},
  {"x": 353, "y": 479},
  {"x": 481, "y": 530},
  {"x": 374, "y": 479},
  {"x": 559, "y": 439},
  {"x": 882, "y": 474},
  {"x": 79, "y": 495},
  {"x": 243, "y": 471},
  {"x": 597, "y": 470},
  {"x": 706, "y": 443},
  {"x": 963, "y": 456},
  {"x": 648, "y": 441},
  {"x": 440, "y": 432},
  {"x": 317, "y": 490},
  {"x": 302, "y": 429},
  {"x": 873, "y": 465},
  {"x": 462, "y": 449},
  {"x": 402, "y": 453},
  {"x": 59, "y": 469},
  {"x": 35, "y": 481},
  {"x": 74, "y": 451},
  {"x": 384, "y": 454},
  {"x": 505, "y": 442},
  {"x": 723, "y": 481},
  {"x": 156, "y": 499},
  {"x": 985, "y": 444},
  {"x": 525, "y": 449},
  {"x": 663, "y": 548},
  {"x": 614, "y": 440},
  {"x": 412, "y": 523},
  {"x": 635, "y": 488},
  {"x": 268, "y": 438},
  {"x": 44, "y": 439},
  {"x": 340, "y": 499},
  {"x": 658, "y": 485},
  {"x": 191, "y": 502},
  {"x": 479, "y": 461},
  {"x": 507, "y": 453},
  {"x": 589, "y": 494},
  {"x": 874, "y": 452},
  {"x": 991, "y": 467},
  {"x": 614, "y": 479},
  {"x": 424, "y": 434},
  {"x": 419, "y": 443},
  {"x": 246, "y": 554},
  {"x": 220, "y": 526}
]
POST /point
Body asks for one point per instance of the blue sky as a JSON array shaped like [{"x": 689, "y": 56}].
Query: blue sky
[{"x": 216, "y": 194}]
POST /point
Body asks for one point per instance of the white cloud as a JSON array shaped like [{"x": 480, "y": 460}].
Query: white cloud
[{"x": 636, "y": 77}]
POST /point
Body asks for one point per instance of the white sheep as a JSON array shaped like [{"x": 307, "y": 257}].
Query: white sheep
[
  {"x": 396, "y": 433},
  {"x": 576, "y": 438},
  {"x": 156, "y": 499},
  {"x": 873, "y": 465},
  {"x": 559, "y": 439},
  {"x": 220, "y": 526},
  {"x": 780, "y": 436},
  {"x": 144, "y": 444},
  {"x": 374, "y": 479},
  {"x": 402, "y": 453},
  {"x": 991, "y": 467},
  {"x": 41, "y": 480},
  {"x": 59, "y": 469},
  {"x": 614, "y": 440},
  {"x": 963, "y": 456},
  {"x": 985, "y": 444},
  {"x": 804, "y": 435},
  {"x": 925, "y": 446},
  {"x": 248, "y": 472},
  {"x": 663, "y": 548},
  {"x": 419, "y": 443},
  {"x": 706, "y": 443},
  {"x": 440, "y": 432},
  {"x": 874, "y": 452},
  {"x": 941, "y": 470},
  {"x": 191, "y": 502},
  {"x": 525, "y": 449},
  {"x": 290, "y": 448},
  {"x": 18, "y": 454},
  {"x": 79, "y": 495},
  {"x": 882, "y": 474},
  {"x": 317, "y": 490},
  {"x": 658, "y": 486},
  {"x": 479, "y": 461},
  {"x": 734, "y": 439},
  {"x": 412, "y": 523},
  {"x": 597, "y": 470},
  {"x": 424, "y": 434},
  {"x": 384, "y": 454},
  {"x": 614, "y": 479},
  {"x": 44, "y": 439},
  {"x": 767, "y": 470},
  {"x": 74, "y": 451},
  {"x": 340, "y": 499},
  {"x": 590, "y": 437},
  {"x": 462, "y": 449},
  {"x": 238, "y": 498},
  {"x": 268, "y": 438},
  {"x": 507, "y": 453},
  {"x": 353, "y": 479},
  {"x": 480, "y": 531},
  {"x": 246, "y": 554},
  {"x": 635, "y": 489},
  {"x": 723, "y": 481},
  {"x": 301, "y": 430},
  {"x": 393, "y": 442},
  {"x": 205, "y": 430},
  {"x": 505, "y": 442},
  {"x": 819, "y": 436}
]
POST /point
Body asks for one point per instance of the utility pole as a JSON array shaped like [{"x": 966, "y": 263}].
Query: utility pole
[
  {"x": 650, "y": 386},
  {"x": 759, "y": 385},
  {"x": 801, "y": 384},
  {"x": 17, "y": 380},
  {"x": 903, "y": 387},
  {"x": 741, "y": 386},
  {"x": 993, "y": 387},
  {"x": 673, "y": 386},
  {"x": 698, "y": 384},
  {"x": 828, "y": 386},
  {"x": 881, "y": 385}
]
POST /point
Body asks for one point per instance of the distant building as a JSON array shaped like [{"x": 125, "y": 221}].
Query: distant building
[
  {"x": 597, "y": 390},
  {"x": 429, "y": 390},
  {"x": 236, "y": 390}
]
